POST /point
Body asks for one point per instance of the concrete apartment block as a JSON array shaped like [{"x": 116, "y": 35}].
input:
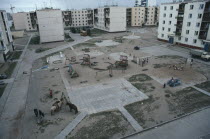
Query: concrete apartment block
[
  {"x": 78, "y": 18},
  {"x": 5, "y": 36},
  {"x": 25, "y": 21},
  {"x": 185, "y": 23},
  {"x": 110, "y": 19},
  {"x": 50, "y": 24},
  {"x": 151, "y": 18},
  {"x": 138, "y": 16}
]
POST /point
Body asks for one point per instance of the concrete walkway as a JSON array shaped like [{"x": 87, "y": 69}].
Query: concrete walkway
[
  {"x": 130, "y": 119},
  {"x": 13, "y": 101},
  {"x": 201, "y": 90},
  {"x": 190, "y": 127},
  {"x": 14, "y": 105},
  {"x": 71, "y": 126},
  {"x": 10, "y": 80}
]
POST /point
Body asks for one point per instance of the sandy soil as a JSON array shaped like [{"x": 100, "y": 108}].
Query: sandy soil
[{"x": 110, "y": 124}]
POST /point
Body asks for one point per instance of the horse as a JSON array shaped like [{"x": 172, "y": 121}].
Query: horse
[
  {"x": 72, "y": 106},
  {"x": 38, "y": 113}
]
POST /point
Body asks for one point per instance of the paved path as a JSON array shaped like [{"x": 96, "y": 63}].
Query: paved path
[
  {"x": 130, "y": 119},
  {"x": 60, "y": 48},
  {"x": 13, "y": 102},
  {"x": 190, "y": 127},
  {"x": 201, "y": 90},
  {"x": 71, "y": 126},
  {"x": 10, "y": 80}
]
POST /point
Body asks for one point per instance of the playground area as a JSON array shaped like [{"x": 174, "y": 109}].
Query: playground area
[{"x": 108, "y": 73}]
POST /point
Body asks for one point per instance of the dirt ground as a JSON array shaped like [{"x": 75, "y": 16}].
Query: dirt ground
[
  {"x": 109, "y": 124},
  {"x": 41, "y": 82},
  {"x": 163, "y": 104}
]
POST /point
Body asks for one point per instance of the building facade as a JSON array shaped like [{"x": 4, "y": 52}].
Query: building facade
[
  {"x": 151, "y": 16},
  {"x": 78, "y": 18},
  {"x": 25, "y": 21},
  {"x": 50, "y": 25},
  {"x": 185, "y": 23},
  {"x": 138, "y": 16},
  {"x": 6, "y": 41},
  {"x": 110, "y": 19},
  {"x": 141, "y": 3}
]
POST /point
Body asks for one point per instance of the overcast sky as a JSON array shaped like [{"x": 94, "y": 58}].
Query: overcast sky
[{"x": 30, "y": 5}]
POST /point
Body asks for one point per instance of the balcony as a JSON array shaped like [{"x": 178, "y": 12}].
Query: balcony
[
  {"x": 207, "y": 10},
  {"x": 180, "y": 18},
  {"x": 181, "y": 11},
  {"x": 202, "y": 37}
]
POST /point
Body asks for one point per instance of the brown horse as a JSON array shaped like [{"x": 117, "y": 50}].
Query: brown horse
[{"x": 72, "y": 106}]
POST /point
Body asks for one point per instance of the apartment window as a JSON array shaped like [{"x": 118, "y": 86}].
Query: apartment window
[
  {"x": 201, "y": 6},
  {"x": 179, "y": 38},
  {"x": 186, "y": 39},
  {"x": 191, "y": 7},
  {"x": 169, "y": 29},
  {"x": 165, "y": 8},
  {"x": 194, "y": 41},
  {"x": 164, "y": 15},
  {"x": 187, "y": 31},
  {"x": 190, "y": 16},
  {"x": 162, "y": 35},
  {"x": 188, "y": 24},
  {"x": 170, "y": 15},
  {"x": 197, "y": 24},
  {"x": 199, "y": 16},
  {"x": 171, "y": 7},
  {"x": 169, "y": 22},
  {"x": 196, "y": 33}
]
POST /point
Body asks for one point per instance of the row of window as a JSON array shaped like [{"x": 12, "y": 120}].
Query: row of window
[
  {"x": 186, "y": 39},
  {"x": 188, "y": 23},
  {"x": 78, "y": 18},
  {"x": 189, "y": 16},
  {"x": 78, "y": 21},
  {"x": 187, "y": 31},
  {"x": 191, "y": 7}
]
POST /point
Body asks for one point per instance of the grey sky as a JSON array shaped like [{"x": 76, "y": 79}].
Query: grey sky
[{"x": 29, "y": 5}]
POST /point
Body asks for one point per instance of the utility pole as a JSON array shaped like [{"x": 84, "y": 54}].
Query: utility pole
[{"x": 11, "y": 8}]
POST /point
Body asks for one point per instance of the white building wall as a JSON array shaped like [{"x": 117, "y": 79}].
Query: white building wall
[
  {"x": 165, "y": 20},
  {"x": 117, "y": 19},
  {"x": 185, "y": 38},
  {"x": 50, "y": 25},
  {"x": 19, "y": 20},
  {"x": 193, "y": 21},
  {"x": 80, "y": 18},
  {"x": 5, "y": 31}
]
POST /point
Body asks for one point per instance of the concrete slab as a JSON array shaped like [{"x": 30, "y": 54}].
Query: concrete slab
[
  {"x": 107, "y": 43},
  {"x": 71, "y": 126},
  {"x": 104, "y": 96}
]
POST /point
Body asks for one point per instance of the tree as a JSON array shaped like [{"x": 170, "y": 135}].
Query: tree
[
  {"x": 88, "y": 32},
  {"x": 73, "y": 30}
]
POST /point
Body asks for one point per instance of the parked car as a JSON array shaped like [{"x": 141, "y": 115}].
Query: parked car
[
  {"x": 2, "y": 83},
  {"x": 3, "y": 76}
]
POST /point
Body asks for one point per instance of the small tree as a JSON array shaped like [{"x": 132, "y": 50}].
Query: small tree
[
  {"x": 88, "y": 32},
  {"x": 73, "y": 30}
]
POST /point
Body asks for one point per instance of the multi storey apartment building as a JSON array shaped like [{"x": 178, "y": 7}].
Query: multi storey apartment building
[
  {"x": 138, "y": 16},
  {"x": 5, "y": 37},
  {"x": 78, "y": 18},
  {"x": 151, "y": 16},
  {"x": 25, "y": 21},
  {"x": 111, "y": 19},
  {"x": 142, "y": 3},
  {"x": 142, "y": 16},
  {"x": 50, "y": 25},
  {"x": 185, "y": 23}
]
